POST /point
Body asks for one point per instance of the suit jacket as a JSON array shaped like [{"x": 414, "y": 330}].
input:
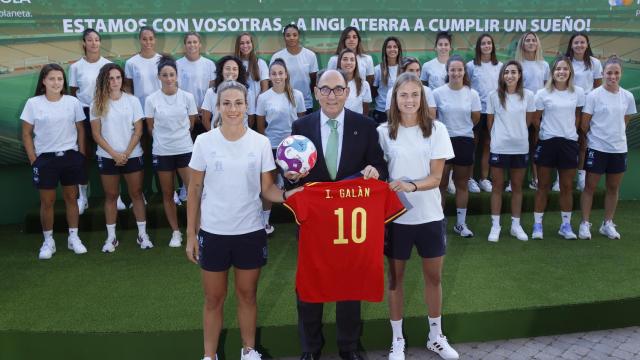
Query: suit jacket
[{"x": 360, "y": 146}]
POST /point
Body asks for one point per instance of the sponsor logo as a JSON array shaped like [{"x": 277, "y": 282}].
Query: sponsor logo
[{"x": 614, "y": 3}]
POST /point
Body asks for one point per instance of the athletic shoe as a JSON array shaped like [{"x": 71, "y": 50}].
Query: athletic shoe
[
  {"x": 473, "y": 186},
  {"x": 537, "y": 231},
  {"x": 463, "y": 230},
  {"x": 533, "y": 184},
  {"x": 441, "y": 347},
  {"x": 518, "y": 232},
  {"x": 110, "y": 245},
  {"x": 209, "y": 357},
  {"x": 182, "y": 194},
  {"x": 120, "y": 205},
  {"x": 74, "y": 243},
  {"x": 176, "y": 199},
  {"x": 176, "y": 239},
  {"x": 494, "y": 233},
  {"x": 584, "y": 232},
  {"x": 485, "y": 185},
  {"x": 582, "y": 174},
  {"x": 144, "y": 242},
  {"x": 508, "y": 188},
  {"x": 451, "y": 187},
  {"x": 269, "y": 229},
  {"x": 556, "y": 186},
  {"x": 143, "y": 198},
  {"x": 608, "y": 229},
  {"x": 47, "y": 249},
  {"x": 567, "y": 232},
  {"x": 251, "y": 355},
  {"x": 83, "y": 204},
  {"x": 397, "y": 350}
]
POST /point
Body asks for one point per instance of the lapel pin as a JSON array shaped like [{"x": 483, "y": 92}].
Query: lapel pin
[{"x": 355, "y": 133}]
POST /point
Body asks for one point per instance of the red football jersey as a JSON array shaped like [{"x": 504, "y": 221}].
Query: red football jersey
[{"x": 341, "y": 239}]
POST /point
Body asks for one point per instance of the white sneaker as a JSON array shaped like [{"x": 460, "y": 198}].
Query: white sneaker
[
  {"x": 533, "y": 184},
  {"x": 518, "y": 232},
  {"x": 110, "y": 245},
  {"x": 83, "y": 204},
  {"x": 582, "y": 175},
  {"x": 209, "y": 357},
  {"x": 74, "y": 243},
  {"x": 485, "y": 185},
  {"x": 47, "y": 250},
  {"x": 144, "y": 242},
  {"x": 537, "y": 231},
  {"x": 451, "y": 187},
  {"x": 182, "y": 194},
  {"x": 463, "y": 230},
  {"x": 176, "y": 239},
  {"x": 251, "y": 355},
  {"x": 176, "y": 199},
  {"x": 269, "y": 229},
  {"x": 441, "y": 347},
  {"x": 508, "y": 188},
  {"x": 567, "y": 232},
  {"x": 556, "y": 186},
  {"x": 143, "y": 198},
  {"x": 120, "y": 205},
  {"x": 397, "y": 350},
  {"x": 608, "y": 229},
  {"x": 494, "y": 234},
  {"x": 473, "y": 186},
  {"x": 584, "y": 232}
]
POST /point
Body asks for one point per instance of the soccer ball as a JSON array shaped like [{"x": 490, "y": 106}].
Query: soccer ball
[{"x": 296, "y": 153}]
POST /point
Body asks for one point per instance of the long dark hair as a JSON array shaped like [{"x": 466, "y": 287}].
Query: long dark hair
[
  {"x": 343, "y": 37},
  {"x": 587, "y": 54},
  {"x": 242, "y": 74},
  {"x": 253, "y": 70},
  {"x": 356, "y": 73},
  {"x": 477, "y": 60},
  {"x": 424, "y": 120},
  {"x": 288, "y": 89},
  {"x": 502, "y": 85},
  {"x": 40, "y": 88},
  {"x": 167, "y": 60},
  {"x": 384, "y": 64}
]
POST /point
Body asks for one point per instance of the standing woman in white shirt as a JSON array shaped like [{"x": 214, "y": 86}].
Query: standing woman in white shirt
[
  {"x": 558, "y": 107},
  {"x": 302, "y": 64},
  {"x": 350, "y": 39},
  {"x": 434, "y": 71},
  {"x": 359, "y": 90},
  {"x": 535, "y": 74},
  {"x": 385, "y": 75},
  {"x": 53, "y": 138},
  {"x": 141, "y": 69},
  {"x": 257, "y": 72},
  {"x": 416, "y": 147},
  {"x": 228, "y": 68},
  {"x": 510, "y": 110},
  {"x": 230, "y": 170},
  {"x": 412, "y": 65},
  {"x": 483, "y": 71},
  {"x": 116, "y": 122},
  {"x": 82, "y": 84},
  {"x": 196, "y": 74},
  {"x": 588, "y": 75},
  {"x": 605, "y": 117},
  {"x": 459, "y": 110},
  {"x": 170, "y": 113},
  {"x": 277, "y": 109}
]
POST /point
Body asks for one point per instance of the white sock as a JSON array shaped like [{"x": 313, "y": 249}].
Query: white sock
[
  {"x": 142, "y": 227},
  {"x": 582, "y": 173},
  {"x": 83, "y": 190},
  {"x": 566, "y": 217},
  {"x": 461, "y": 216},
  {"x": 265, "y": 216},
  {"x": 48, "y": 235},
  {"x": 73, "y": 232},
  {"x": 537, "y": 217},
  {"x": 396, "y": 327},
  {"x": 111, "y": 231},
  {"x": 495, "y": 220},
  {"x": 515, "y": 221},
  {"x": 434, "y": 327}
]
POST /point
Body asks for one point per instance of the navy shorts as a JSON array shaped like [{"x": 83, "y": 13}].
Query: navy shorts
[
  {"x": 599, "y": 162},
  {"x": 87, "y": 123},
  {"x": 66, "y": 167},
  {"x": 464, "y": 151},
  {"x": 379, "y": 117},
  {"x": 107, "y": 166},
  {"x": 171, "y": 162},
  {"x": 508, "y": 161},
  {"x": 430, "y": 240},
  {"x": 557, "y": 153},
  {"x": 220, "y": 252},
  {"x": 482, "y": 124}
]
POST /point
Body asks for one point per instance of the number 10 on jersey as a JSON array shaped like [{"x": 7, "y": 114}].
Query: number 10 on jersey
[{"x": 358, "y": 226}]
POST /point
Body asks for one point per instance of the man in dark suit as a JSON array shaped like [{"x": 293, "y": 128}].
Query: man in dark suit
[{"x": 347, "y": 145}]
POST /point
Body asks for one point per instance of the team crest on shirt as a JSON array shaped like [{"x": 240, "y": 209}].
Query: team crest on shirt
[
  {"x": 217, "y": 166},
  {"x": 590, "y": 158}
]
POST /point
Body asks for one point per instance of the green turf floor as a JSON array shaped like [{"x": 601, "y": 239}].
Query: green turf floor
[{"x": 158, "y": 290}]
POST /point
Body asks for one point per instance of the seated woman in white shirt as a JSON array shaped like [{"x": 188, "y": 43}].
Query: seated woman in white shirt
[{"x": 359, "y": 91}]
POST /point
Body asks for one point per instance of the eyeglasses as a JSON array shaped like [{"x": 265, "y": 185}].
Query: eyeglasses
[{"x": 337, "y": 91}]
